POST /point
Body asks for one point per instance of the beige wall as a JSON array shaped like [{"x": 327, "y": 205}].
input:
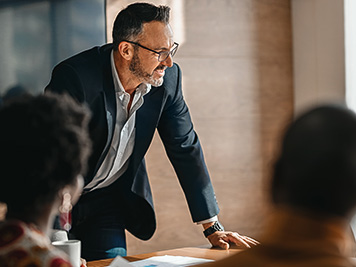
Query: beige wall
[
  {"x": 237, "y": 78},
  {"x": 318, "y": 52}
]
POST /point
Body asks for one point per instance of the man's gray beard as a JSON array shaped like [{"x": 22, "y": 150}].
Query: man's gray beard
[{"x": 136, "y": 69}]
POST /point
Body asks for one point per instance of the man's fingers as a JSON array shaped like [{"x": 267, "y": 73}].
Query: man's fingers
[
  {"x": 250, "y": 240},
  {"x": 223, "y": 244},
  {"x": 237, "y": 239},
  {"x": 243, "y": 239},
  {"x": 223, "y": 240}
]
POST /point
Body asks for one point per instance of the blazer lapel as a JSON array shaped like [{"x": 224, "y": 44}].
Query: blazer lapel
[
  {"x": 108, "y": 88},
  {"x": 109, "y": 98}
]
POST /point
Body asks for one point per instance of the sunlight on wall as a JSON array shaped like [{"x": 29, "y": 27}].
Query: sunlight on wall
[
  {"x": 350, "y": 53},
  {"x": 177, "y": 20},
  {"x": 350, "y": 62}
]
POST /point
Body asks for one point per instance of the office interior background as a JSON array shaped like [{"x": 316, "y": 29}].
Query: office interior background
[{"x": 248, "y": 67}]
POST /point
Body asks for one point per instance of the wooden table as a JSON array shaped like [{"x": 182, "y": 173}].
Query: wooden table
[{"x": 206, "y": 253}]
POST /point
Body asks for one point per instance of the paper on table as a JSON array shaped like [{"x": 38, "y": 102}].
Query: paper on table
[
  {"x": 169, "y": 261},
  {"x": 120, "y": 262},
  {"x": 159, "y": 261}
]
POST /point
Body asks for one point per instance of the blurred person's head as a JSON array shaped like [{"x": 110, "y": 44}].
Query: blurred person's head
[
  {"x": 316, "y": 170},
  {"x": 44, "y": 146}
]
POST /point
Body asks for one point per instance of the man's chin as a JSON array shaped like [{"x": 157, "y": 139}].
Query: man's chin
[{"x": 156, "y": 82}]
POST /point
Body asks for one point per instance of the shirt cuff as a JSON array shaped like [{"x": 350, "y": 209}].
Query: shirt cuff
[{"x": 212, "y": 219}]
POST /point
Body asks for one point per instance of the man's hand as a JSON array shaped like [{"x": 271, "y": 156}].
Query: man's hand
[{"x": 224, "y": 239}]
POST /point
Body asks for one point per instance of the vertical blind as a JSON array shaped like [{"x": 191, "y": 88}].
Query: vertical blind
[{"x": 36, "y": 35}]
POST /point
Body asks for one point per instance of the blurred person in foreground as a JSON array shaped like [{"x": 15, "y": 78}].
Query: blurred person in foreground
[
  {"x": 44, "y": 146},
  {"x": 314, "y": 193},
  {"x": 133, "y": 88}
]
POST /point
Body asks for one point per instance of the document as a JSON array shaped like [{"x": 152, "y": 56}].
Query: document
[
  {"x": 159, "y": 261},
  {"x": 120, "y": 262}
]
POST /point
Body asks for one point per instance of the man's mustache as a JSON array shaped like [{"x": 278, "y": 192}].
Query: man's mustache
[{"x": 161, "y": 67}]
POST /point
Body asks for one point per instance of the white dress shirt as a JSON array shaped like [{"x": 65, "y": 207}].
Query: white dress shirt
[{"x": 117, "y": 158}]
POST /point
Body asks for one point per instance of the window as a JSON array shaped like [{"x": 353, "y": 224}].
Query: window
[{"x": 36, "y": 35}]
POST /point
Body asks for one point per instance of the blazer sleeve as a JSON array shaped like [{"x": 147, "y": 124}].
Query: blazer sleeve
[{"x": 184, "y": 150}]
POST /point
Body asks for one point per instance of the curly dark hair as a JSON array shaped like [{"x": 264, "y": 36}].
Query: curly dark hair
[
  {"x": 128, "y": 23},
  {"x": 44, "y": 146}
]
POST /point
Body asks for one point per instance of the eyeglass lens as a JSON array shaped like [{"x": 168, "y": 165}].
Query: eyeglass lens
[{"x": 165, "y": 54}]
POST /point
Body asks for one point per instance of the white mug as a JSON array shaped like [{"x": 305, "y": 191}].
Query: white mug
[
  {"x": 58, "y": 235},
  {"x": 71, "y": 248}
]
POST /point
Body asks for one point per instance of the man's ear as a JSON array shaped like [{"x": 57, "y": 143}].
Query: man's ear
[{"x": 126, "y": 50}]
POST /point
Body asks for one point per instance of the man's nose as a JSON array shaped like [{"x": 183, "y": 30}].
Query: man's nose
[{"x": 168, "y": 61}]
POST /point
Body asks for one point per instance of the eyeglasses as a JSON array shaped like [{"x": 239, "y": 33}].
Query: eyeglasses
[{"x": 163, "y": 55}]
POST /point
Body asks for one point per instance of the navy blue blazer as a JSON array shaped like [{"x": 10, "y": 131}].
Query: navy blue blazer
[{"x": 87, "y": 77}]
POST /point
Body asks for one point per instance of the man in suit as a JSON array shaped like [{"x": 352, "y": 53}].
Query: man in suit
[
  {"x": 133, "y": 87},
  {"x": 313, "y": 191}
]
